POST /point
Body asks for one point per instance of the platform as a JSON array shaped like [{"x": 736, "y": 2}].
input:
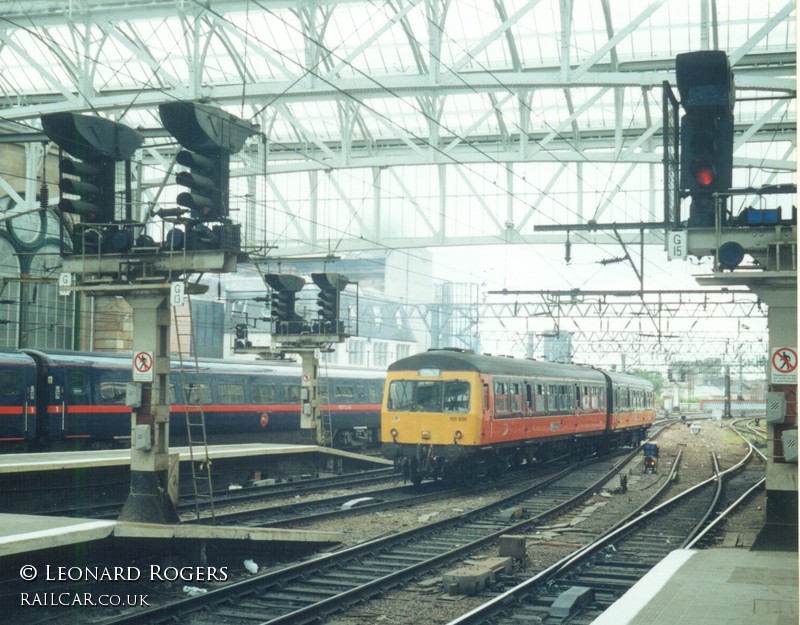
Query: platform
[
  {"x": 48, "y": 461},
  {"x": 27, "y": 534},
  {"x": 713, "y": 587},
  {"x": 72, "y": 480}
]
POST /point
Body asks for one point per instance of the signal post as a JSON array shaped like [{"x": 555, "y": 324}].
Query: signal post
[
  {"x": 113, "y": 255},
  {"x": 308, "y": 337},
  {"x": 705, "y": 83}
]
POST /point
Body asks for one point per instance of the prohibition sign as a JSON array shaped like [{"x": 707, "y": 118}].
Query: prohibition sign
[
  {"x": 784, "y": 365},
  {"x": 143, "y": 367}
]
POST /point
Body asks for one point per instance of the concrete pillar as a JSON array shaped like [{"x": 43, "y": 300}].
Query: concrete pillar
[
  {"x": 151, "y": 465},
  {"x": 781, "y": 529}
]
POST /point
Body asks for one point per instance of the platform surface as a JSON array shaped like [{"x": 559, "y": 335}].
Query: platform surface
[
  {"x": 20, "y": 533},
  {"x": 23, "y": 533},
  {"x": 21, "y": 463},
  {"x": 713, "y": 587}
]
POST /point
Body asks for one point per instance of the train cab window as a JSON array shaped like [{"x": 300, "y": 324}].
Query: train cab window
[
  {"x": 230, "y": 393},
  {"x": 456, "y": 396},
  {"x": 428, "y": 396},
  {"x": 263, "y": 393}
]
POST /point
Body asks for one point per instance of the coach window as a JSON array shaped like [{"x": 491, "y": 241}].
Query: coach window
[
  {"x": 343, "y": 394},
  {"x": 539, "y": 401},
  {"x": 197, "y": 394},
  {"x": 112, "y": 392},
  {"x": 374, "y": 394},
  {"x": 263, "y": 393},
  {"x": 500, "y": 399},
  {"x": 230, "y": 393},
  {"x": 515, "y": 399},
  {"x": 9, "y": 383},
  {"x": 291, "y": 393},
  {"x": 360, "y": 394}
]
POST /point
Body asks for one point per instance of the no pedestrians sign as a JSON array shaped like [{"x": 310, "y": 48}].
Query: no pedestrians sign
[{"x": 783, "y": 365}]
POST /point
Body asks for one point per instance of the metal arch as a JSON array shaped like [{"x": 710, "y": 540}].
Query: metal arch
[{"x": 433, "y": 83}]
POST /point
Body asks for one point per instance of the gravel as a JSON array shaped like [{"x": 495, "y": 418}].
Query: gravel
[{"x": 424, "y": 601}]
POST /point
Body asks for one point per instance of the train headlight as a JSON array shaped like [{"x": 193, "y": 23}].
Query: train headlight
[
  {"x": 458, "y": 436},
  {"x": 394, "y": 434}
]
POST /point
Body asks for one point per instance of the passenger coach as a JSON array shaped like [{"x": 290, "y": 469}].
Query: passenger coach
[
  {"x": 454, "y": 413},
  {"x": 75, "y": 400}
]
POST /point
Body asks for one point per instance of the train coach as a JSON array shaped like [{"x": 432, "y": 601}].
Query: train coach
[
  {"x": 455, "y": 414},
  {"x": 73, "y": 400}
]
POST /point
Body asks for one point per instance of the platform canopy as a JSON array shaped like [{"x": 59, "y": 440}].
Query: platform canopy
[{"x": 410, "y": 122}]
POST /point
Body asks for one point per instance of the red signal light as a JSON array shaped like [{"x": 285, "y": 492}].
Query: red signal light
[{"x": 704, "y": 175}]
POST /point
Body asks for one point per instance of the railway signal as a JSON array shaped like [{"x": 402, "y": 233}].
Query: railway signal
[
  {"x": 242, "y": 333},
  {"x": 705, "y": 84},
  {"x": 330, "y": 285},
  {"x": 285, "y": 288},
  {"x": 93, "y": 186},
  {"x": 208, "y": 136},
  {"x": 87, "y": 180},
  {"x": 206, "y": 179}
]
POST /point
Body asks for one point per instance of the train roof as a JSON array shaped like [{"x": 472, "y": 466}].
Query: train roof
[
  {"x": 451, "y": 359},
  {"x": 14, "y": 356},
  {"x": 110, "y": 359},
  {"x": 628, "y": 379}
]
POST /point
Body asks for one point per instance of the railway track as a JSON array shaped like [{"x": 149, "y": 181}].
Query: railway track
[
  {"x": 222, "y": 498},
  {"x": 306, "y": 592},
  {"x": 578, "y": 588}
]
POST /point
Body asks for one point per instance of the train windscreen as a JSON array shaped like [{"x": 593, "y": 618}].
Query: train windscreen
[{"x": 447, "y": 396}]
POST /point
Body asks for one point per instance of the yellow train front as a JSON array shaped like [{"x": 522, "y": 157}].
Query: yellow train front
[{"x": 454, "y": 414}]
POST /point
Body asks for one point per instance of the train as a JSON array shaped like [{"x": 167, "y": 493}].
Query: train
[
  {"x": 62, "y": 400},
  {"x": 457, "y": 415}
]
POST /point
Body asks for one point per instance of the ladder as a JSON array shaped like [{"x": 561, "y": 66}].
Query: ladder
[
  {"x": 325, "y": 417},
  {"x": 195, "y": 419}
]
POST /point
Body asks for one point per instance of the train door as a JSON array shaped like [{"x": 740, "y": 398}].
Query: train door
[
  {"x": 17, "y": 398},
  {"x": 50, "y": 408}
]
